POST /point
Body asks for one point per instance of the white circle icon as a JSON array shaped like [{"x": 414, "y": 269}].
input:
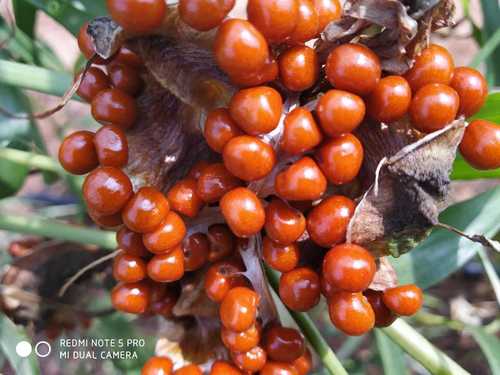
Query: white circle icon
[
  {"x": 43, "y": 349},
  {"x": 23, "y": 349}
]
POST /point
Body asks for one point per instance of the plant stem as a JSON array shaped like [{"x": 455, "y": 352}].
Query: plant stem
[
  {"x": 487, "y": 49},
  {"x": 307, "y": 326},
  {"x": 35, "y": 78},
  {"x": 422, "y": 350},
  {"x": 58, "y": 230},
  {"x": 30, "y": 159}
]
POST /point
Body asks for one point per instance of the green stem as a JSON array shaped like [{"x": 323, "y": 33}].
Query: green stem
[
  {"x": 487, "y": 49},
  {"x": 313, "y": 335},
  {"x": 35, "y": 78},
  {"x": 30, "y": 159},
  {"x": 422, "y": 350},
  {"x": 58, "y": 230}
]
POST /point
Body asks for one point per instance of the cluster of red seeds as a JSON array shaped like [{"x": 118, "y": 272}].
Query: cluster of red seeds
[{"x": 156, "y": 250}]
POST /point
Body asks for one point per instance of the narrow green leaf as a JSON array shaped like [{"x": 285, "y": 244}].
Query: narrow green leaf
[
  {"x": 491, "y": 272},
  {"x": 490, "y": 345},
  {"x": 10, "y": 336},
  {"x": 71, "y": 14},
  {"x": 25, "y": 14},
  {"x": 34, "y": 78},
  {"x": 392, "y": 356},
  {"x": 491, "y": 15},
  {"x": 443, "y": 252},
  {"x": 487, "y": 49}
]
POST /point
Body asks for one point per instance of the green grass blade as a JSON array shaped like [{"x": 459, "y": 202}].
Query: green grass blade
[
  {"x": 490, "y": 345},
  {"x": 392, "y": 356}
]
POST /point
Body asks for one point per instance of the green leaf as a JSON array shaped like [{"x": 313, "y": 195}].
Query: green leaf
[
  {"x": 23, "y": 48},
  {"x": 71, "y": 14},
  {"x": 486, "y": 50},
  {"x": 490, "y": 345},
  {"x": 14, "y": 133},
  {"x": 443, "y": 252},
  {"x": 10, "y": 336},
  {"x": 491, "y": 15},
  {"x": 25, "y": 14},
  {"x": 490, "y": 111},
  {"x": 392, "y": 356}
]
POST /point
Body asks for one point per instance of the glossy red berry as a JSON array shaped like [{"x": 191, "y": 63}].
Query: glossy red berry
[
  {"x": 214, "y": 182},
  {"x": 125, "y": 78},
  {"x": 131, "y": 298},
  {"x": 222, "y": 242},
  {"x": 340, "y": 112},
  {"x": 472, "y": 89},
  {"x": 302, "y": 181},
  {"x": 164, "y": 297},
  {"x": 238, "y": 309},
  {"x": 283, "y": 344},
  {"x": 341, "y": 158},
  {"x": 276, "y": 19},
  {"x": 283, "y": 258},
  {"x": 351, "y": 313},
  {"x": 243, "y": 212},
  {"x": 184, "y": 199},
  {"x": 300, "y": 289},
  {"x": 256, "y": 110},
  {"x": 239, "y": 47},
  {"x": 195, "y": 248},
  {"x": 241, "y": 341},
  {"x": 93, "y": 82},
  {"x": 189, "y": 370},
  {"x": 114, "y": 107},
  {"x": 349, "y": 267},
  {"x": 390, "y": 99},
  {"x": 249, "y": 158},
  {"x": 327, "y": 222},
  {"x": 106, "y": 221},
  {"x": 433, "y": 107},
  {"x": 131, "y": 242},
  {"x": 251, "y": 361},
  {"x": 303, "y": 364},
  {"x": 300, "y": 132},
  {"x": 220, "y": 278},
  {"x": 166, "y": 268},
  {"x": 87, "y": 46},
  {"x": 269, "y": 72},
  {"x": 307, "y": 24},
  {"x": 146, "y": 210},
  {"x": 77, "y": 153},
  {"x": 219, "y": 129},
  {"x": 404, "y": 300},
  {"x": 383, "y": 316},
  {"x": 128, "y": 268},
  {"x": 204, "y": 15},
  {"x": 299, "y": 68},
  {"x": 224, "y": 368},
  {"x": 354, "y": 68},
  {"x": 112, "y": 147},
  {"x": 167, "y": 235},
  {"x": 158, "y": 366},
  {"x": 126, "y": 14},
  {"x": 284, "y": 224},
  {"x": 125, "y": 56},
  {"x": 278, "y": 368},
  {"x": 106, "y": 190},
  {"x": 197, "y": 168},
  {"x": 480, "y": 145},
  {"x": 433, "y": 65},
  {"x": 328, "y": 11}
]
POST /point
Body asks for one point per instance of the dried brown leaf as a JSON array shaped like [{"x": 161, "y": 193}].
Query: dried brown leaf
[{"x": 408, "y": 192}]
